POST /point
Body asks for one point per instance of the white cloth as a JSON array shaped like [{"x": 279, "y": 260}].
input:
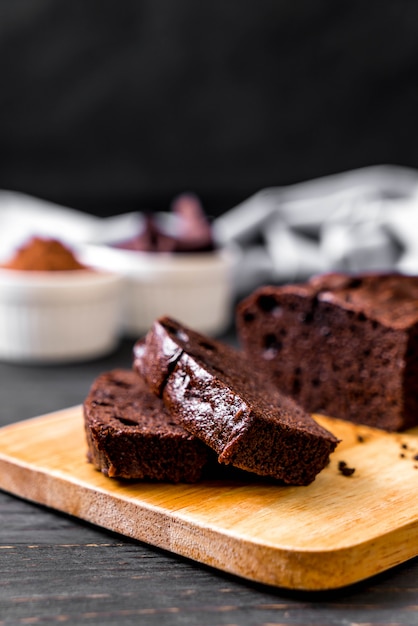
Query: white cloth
[{"x": 363, "y": 220}]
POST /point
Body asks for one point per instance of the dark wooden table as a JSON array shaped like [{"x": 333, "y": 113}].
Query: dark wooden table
[{"x": 56, "y": 569}]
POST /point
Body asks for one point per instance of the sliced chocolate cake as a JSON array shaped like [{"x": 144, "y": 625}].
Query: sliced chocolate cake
[
  {"x": 218, "y": 396},
  {"x": 131, "y": 435}
]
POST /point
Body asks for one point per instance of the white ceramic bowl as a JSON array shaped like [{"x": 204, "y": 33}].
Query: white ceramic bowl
[
  {"x": 58, "y": 316},
  {"x": 194, "y": 288}
]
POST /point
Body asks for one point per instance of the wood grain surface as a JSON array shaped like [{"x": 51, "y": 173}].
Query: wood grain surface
[{"x": 339, "y": 530}]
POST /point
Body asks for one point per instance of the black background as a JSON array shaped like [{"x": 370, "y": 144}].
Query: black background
[{"x": 112, "y": 106}]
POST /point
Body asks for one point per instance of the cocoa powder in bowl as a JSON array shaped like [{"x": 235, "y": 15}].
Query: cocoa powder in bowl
[{"x": 39, "y": 254}]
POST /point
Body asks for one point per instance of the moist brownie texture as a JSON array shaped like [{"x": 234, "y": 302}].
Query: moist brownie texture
[
  {"x": 345, "y": 346},
  {"x": 217, "y": 395},
  {"x": 131, "y": 435}
]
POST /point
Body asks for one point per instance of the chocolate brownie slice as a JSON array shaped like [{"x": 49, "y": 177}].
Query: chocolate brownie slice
[
  {"x": 130, "y": 434},
  {"x": 345, "y": 346},
  {"x": 218, "y": 396}
]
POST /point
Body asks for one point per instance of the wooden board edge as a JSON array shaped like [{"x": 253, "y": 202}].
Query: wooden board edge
[{"x": 266, "y": 564}]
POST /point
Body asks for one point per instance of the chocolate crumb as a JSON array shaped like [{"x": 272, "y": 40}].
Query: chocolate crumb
[
  {"x": 402, "y": 456},
  {"x": 415, "y": 457},
  {"x": 360, "y": 438},
  {"x": 404, "y": 446},
  {"x": 344, "y": 469}
]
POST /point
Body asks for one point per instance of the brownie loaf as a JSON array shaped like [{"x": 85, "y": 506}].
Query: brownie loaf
[
  {"x": 131, "y": 435},
  {"x": 345, "y": 346},
  {"x": 217, "y": 396}
]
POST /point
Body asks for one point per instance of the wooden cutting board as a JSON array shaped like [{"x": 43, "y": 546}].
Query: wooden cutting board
[{"x": 338, "y": 530}]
